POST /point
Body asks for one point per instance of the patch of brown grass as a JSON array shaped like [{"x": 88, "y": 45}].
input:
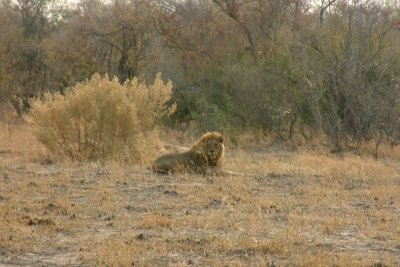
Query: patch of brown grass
[
  {"x": 18, "y": 139},
  {"x": 155, "y": 221},
  {"x": 290, "y": 209}
]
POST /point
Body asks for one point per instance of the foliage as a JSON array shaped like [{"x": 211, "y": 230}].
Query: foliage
[
  {"x": 352, "y": 69},
  {"x": 329, "y": 67},
  {"x": 101, "y": 119}
]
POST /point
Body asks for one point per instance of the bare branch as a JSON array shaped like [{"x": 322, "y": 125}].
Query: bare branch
[{"x": 323, "y": 9}]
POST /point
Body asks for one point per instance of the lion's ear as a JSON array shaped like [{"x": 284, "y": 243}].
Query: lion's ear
[{"x": 221, "y": 139}]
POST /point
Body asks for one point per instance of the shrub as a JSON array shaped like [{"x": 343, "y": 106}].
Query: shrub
[{"x": 101, "y": 119}]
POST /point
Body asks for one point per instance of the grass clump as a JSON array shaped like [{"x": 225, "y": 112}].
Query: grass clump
[{"x": 101, "y": 119}]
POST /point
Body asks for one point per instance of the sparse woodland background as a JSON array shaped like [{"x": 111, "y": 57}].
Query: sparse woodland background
[
  {"x": 287, "y": 67},
  {"x": 88, "y": 85}
]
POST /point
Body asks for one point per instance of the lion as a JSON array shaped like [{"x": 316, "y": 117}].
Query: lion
[{"x": 207, "y": 153}]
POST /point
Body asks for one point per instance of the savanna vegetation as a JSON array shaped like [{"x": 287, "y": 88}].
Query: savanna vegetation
[
  {"x": 295, "y": 209},
  {"x": 306, "y": 68},
  {"x": 91, "y": 90}
]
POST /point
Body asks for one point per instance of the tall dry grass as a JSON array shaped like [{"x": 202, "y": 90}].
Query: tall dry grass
[{"x": 18, "y": 139}]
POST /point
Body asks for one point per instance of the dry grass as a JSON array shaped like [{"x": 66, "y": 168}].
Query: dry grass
[{"x": 296, "y": 209}]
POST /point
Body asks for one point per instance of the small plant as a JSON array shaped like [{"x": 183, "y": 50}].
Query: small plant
[{"x": 101, "y": 119}]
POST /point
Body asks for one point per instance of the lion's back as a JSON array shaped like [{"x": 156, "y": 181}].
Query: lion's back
[{"x": 173, "y": 162}]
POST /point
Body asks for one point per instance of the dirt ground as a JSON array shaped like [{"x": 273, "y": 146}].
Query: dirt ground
[{"x": 290, "y": 209}]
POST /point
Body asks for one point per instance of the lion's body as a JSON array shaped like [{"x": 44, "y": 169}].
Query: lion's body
[{"x": 208, "y": 151}]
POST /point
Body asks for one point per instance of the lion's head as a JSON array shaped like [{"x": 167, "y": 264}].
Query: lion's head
[{"x": 212, "y": 145}]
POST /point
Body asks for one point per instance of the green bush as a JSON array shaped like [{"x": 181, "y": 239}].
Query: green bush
[{"x": 100, "y": 119}]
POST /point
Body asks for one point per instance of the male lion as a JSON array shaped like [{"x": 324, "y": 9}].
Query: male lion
[{"x": 208, "y": 152}]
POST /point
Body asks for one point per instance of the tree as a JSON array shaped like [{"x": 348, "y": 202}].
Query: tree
[
  {"x": 122, "y": 28},
  {"x": 352, "y": 67},
  {"x": 25, "y": 57}
]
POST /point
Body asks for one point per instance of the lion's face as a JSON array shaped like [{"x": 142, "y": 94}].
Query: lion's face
[
  {"x": 214, "y": 147},
  {"x": 211, "y": 145}
]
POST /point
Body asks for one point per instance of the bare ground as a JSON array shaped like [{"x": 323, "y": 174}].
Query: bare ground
[{"x": 294, "y": 210}]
